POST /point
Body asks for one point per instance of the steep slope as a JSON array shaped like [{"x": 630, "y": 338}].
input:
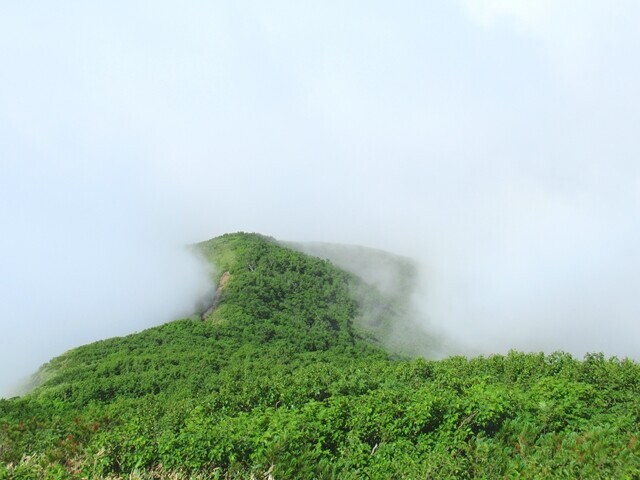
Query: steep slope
[
  {"x": 273, "y": 300},
  {"x": 281, "y": 380}
]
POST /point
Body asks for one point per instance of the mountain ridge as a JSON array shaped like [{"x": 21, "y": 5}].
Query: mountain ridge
[{"x": 284, "y": 380}]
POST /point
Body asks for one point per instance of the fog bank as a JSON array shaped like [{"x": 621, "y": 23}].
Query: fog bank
[{"x": 494, "y": 142}]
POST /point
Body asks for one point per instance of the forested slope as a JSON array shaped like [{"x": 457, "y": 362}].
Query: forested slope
[{"x": 281, "y": 379}]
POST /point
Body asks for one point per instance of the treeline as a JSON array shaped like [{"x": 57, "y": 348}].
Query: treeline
[{"x": 280, "y": 381}]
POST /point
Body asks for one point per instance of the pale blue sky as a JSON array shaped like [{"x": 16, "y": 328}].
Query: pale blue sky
[{"x": 495, "y": 141}]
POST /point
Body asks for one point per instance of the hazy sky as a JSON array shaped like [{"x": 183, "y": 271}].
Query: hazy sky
[{"x": 495, "y": 141}]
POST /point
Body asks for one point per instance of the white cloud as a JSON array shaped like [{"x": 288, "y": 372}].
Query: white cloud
[
  {"x": 523, "y": 15},
  {"x": 578, "y": 37},
  {"x": 488, "y": 142}
]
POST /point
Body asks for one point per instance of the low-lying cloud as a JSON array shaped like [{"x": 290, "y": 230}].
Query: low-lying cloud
[
  {"x": 83, "y": 258},
  {"x": 497, "y": 149}
]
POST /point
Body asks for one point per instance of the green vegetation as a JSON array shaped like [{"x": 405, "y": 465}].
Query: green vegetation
[{"x": 282, "y": 380}]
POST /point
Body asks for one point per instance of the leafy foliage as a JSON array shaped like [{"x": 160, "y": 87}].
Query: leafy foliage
[{"x": 281, "y": 381}]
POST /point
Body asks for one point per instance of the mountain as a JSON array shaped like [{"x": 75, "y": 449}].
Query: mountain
[{"x": 287, "y": 373}]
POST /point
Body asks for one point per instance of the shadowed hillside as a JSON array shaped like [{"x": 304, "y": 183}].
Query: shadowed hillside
[{"x": 386, "y": 297}]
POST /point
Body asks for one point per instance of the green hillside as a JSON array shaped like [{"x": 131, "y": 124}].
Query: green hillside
[{"x": 287, "y": 375}]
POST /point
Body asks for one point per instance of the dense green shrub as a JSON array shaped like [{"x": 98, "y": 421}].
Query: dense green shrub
[{"x": 282, "y": 379}]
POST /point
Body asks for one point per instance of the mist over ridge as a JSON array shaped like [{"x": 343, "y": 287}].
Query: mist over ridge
[{"x": 494, "y": 143}]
